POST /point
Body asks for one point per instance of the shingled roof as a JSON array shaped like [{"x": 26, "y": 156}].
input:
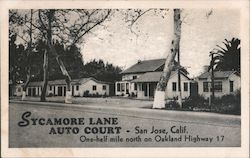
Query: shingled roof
[
  {"x": 145, "y": 66},
  {"x": 217, "y": 74},
  {"x": 154, "y": 76},
  {"x": 63, "y": 82}
]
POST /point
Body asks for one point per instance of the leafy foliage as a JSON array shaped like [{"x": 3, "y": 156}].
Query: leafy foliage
[
  {"x": 227, "y": 104},
  {"x": 102, "y": 71},
  {"x": 228, "y": 58},
  {"x": 20, "y": 59},
  {"x": 72, "y": 58}
]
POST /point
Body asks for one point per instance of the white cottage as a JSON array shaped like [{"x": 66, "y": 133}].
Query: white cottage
[
  {"x": 82, "y": 86},
  {"x": 225, "y": 82}
]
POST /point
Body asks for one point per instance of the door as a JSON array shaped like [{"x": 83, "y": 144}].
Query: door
[
  {"x": 29, "y": 91},
  {"x": 64, "y": 91},
  {"x": 73, "y": 93},
  {"x": 127, "y": 88},
  {"x": 152, "y": 87},
  {"x": 59, "y": 91},
  {"x": 54, "y": 90},
  {"x": 193, "y": 89},
  {"x": 144, "y": 88},
  {"x": 33, "y": 92}
]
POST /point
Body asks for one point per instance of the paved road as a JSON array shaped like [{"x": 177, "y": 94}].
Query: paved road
[{"x": 128, "y": 127}]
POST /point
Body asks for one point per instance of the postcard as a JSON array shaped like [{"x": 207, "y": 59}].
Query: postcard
[{"x": 124, "y": 78}]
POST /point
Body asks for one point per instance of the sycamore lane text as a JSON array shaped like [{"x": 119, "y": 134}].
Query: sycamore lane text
[{"x": 71, "y": 125}]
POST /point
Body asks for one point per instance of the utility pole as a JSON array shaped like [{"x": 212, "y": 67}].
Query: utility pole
[
  {"x": 212, "y": 75},
  {"x": 179, "y": 78}
]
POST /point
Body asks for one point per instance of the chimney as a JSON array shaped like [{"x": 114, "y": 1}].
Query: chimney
[
  {"x": 205, "y": 68},
  {"x": 139, "y": 61}
]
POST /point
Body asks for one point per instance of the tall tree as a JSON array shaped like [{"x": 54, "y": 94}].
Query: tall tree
[
  {"x": 68, "y": 26},
  {"x": 159, "y": 97},
  {"x": 26, "y": 27},
  {"x": 227, "y": 58},
  {"x": 59, "y": 23}
]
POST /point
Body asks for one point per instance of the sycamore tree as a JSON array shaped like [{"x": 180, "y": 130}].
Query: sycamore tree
[
  {"x": 159, "y": 97},
  {"x": 21, "y": 27},
  {"x": 132, "y": 17},
  {"x": 68, "y": 26},
  {"x": 172, "y": 53}
]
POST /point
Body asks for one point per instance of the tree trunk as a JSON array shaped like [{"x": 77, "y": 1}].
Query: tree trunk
[
  {"x": 68, "y": 97},
  {"x": 159, "y": 98},
  {"x": 45, "y": 75},
  {"x": 28, "y": 75}
]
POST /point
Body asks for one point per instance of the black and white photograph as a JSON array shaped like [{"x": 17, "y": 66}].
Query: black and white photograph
[{"x": 125, "y": 77}]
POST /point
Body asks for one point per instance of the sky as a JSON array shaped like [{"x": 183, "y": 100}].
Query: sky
[{"x": 116, "y": 44}]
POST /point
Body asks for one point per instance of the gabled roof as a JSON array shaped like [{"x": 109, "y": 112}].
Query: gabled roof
[
  {"x": 217, "y": 74},
  {"x": 84, "y": 80},
  {"x": 145, "y": 66},
  {"x": 63, "y": 82},
  {"x": 36, "y": 83},
  {"x": 154, "y": 76},
  {"x": 56, "y": 82}
]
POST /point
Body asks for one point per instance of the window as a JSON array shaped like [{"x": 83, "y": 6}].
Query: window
[
  {"x": 231, "y": 86},
  {"x": 218, "y": 86},
  {"x": 94, "y": 88},
  {"x": 50, "y": 88},
  {"x": 118, "y": 87},
  {"x": 19, "y": 89},
  {"x": 77, "y": 87},
  {"x": 185, "y": 86},
  {"x": 104, "y": 87},
  {"x": 134, "y": 77},
  {"x": 205, "y": 86},
  {"x": 174, "y": 86},
  {"x": 135, "y": 86}
]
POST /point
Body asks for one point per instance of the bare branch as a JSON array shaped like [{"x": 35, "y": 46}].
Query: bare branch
[
  {"x": 86, "y": 31},
  {"x": 40, "y": 18}
]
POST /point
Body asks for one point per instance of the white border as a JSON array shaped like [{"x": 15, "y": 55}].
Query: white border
[{"x": 242, "y": 151}]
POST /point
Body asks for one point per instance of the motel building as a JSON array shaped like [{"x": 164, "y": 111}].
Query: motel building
[
  {"x": 140, "y": 81},
  {"x": 58, "y": 88},
  {"x": 225, "y": 82}
]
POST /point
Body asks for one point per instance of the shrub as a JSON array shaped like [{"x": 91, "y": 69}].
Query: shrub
[
  {"x": 172, "y": 105},
  {"x": 97, "y": 94},
  {"x": 105, "y": 95},
  {"x": 133, "y": 94},
  {"x": 50, "y": 95},
  {"x": 228, "y": 104},
  {"x": 86, "y": 93},
  {"x": 198, "y": 103}
]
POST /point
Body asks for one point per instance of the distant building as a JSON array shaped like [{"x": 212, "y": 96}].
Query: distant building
[
  {"x": 225, "y": 82},
  {"x": 80, "y": 87},
  {"x": 141, "y": 79}
]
